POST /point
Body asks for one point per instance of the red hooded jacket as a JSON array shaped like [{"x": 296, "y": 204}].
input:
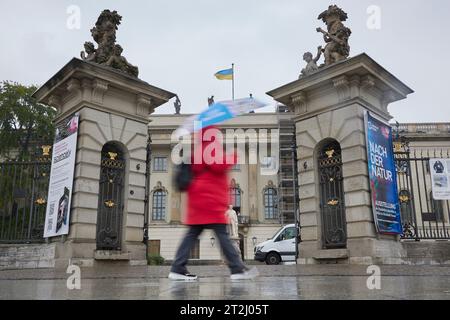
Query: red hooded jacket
[{"x": 208, "y": 193}]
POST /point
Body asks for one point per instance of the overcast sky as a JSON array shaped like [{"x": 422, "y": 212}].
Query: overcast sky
[{"x": 179, "y": 45}]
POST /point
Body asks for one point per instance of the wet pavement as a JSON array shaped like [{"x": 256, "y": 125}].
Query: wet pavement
[{"x": 274, "y": 283}]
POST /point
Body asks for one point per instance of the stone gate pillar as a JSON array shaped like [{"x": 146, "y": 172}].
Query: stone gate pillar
[
  {"x": 114, "y": 108},
  {"x": 328, "y": 108}
]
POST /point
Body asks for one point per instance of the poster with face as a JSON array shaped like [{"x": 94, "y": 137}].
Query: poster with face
[
  {"x": 440, "y": 178},
  {"x": 382, "y": 176},
  {"x": 61, "y": 178}
]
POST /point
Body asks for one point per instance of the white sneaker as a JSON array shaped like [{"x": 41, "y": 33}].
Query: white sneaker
[
  {"x": 182, "y": 277},
  {"x": 246, "y": 275}
]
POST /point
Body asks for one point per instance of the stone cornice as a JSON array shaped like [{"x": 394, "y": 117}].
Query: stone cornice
[
  {"x": 78, "y": 69},
  {"x": 362, "y": 65}
]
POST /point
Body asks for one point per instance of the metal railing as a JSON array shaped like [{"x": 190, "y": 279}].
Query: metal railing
[
  {"x": 23, "y": 199},
  {"x": 422, "y": 216}
]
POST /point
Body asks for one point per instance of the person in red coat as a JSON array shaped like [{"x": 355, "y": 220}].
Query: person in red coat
[{"x": 208, "y": 200}]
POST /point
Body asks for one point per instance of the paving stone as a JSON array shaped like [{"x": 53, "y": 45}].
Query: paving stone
[{"x": 283, "y": 282}]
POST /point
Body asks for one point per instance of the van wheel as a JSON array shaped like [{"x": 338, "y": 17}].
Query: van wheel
[{"x": 273, "y": 258}]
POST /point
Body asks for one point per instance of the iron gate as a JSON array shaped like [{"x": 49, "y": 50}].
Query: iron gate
[
  {"x": 332, "y": 206},
  {"x": 422, "y": 216},
  {"x": 23, "y": 198},
  {"x": 110, "y": 199}
]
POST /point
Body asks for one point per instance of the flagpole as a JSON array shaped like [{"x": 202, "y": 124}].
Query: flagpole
[{"x": 232, "y": 81}]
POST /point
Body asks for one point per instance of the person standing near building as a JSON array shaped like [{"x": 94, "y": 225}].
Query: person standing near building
[{"x": 207, "y": 203}]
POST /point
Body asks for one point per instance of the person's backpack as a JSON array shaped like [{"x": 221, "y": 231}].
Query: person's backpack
[{"x": 183, "y": 176}]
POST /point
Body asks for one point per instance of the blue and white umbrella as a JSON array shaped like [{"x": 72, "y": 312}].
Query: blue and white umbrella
[{"x": 217, "y": 113}]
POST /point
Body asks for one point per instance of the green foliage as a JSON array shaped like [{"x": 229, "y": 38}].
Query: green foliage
[
  {"x": 155, "y": 260},
  {"x": 23, "y": 121}
]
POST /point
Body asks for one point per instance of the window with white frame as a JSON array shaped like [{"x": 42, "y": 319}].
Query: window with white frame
[
  {"x": 270, "y": 203},
  {"x": 159, "y": 205},
  {"x": 235, "y": 198},
  {"x": 236, "y": 167},
  {"x": 160, "y": 164},
  {"x": 268, "y": 164}
]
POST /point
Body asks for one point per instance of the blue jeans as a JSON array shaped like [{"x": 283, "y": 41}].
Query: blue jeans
[{"x": 234, "y": 260}]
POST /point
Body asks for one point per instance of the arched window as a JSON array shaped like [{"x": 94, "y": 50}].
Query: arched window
[
  {"x": 235, "y": 196},
  {"x": 159, "y": 203},
  {"x": 270, "y": 203}
]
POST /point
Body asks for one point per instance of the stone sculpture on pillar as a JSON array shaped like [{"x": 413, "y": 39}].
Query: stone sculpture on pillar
[
  {"x": 177, "y": 105},
  {"x": 336, "y": 36},
  {"x": 108, "y": 52},
  {"x": 311, "y": 63},
  {"x": 90, "y": 50}
]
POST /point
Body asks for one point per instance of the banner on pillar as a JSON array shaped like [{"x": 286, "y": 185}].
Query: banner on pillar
[
  {"x": 57, "y": 215},
  {"x": 440, "y": 178},
  {"x": 382, "y": 176}
]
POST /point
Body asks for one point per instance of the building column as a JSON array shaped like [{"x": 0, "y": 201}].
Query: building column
[
  {"x": 113, "y": 107},
  {"x": 330, "y": 104},
  {"x": 253, "y": 192}
]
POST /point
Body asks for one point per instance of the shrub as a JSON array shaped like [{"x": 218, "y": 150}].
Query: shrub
[{"x": 155, "y": 260}]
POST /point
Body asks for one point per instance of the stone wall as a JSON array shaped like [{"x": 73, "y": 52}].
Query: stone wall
[
  {"x": 427, "y": 252},
  {"x": 27, "y": 256}
]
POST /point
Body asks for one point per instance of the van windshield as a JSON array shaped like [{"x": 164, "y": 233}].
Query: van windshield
[{"x": 273, "y": 237}]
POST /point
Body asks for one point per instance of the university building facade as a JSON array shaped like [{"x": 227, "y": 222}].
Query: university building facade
[
  {"x": 254, "y": 194},
  {"x": 124, "y": 205}
]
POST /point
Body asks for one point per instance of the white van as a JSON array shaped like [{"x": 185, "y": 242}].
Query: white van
[{"x": 279, "y": 248}]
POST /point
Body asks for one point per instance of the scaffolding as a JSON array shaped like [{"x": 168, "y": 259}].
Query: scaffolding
[{"x": 287, "y": 173}]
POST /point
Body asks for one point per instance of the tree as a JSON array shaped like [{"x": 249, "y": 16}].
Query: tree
[{"x": 23, "y": 121}]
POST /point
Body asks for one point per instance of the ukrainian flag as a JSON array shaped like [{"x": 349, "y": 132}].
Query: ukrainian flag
[{"x": 225, "y": 74}]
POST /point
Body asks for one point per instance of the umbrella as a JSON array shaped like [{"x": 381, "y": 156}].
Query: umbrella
[{"x": 217, "y": 113}]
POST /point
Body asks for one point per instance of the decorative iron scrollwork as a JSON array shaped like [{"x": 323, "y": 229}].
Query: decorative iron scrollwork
[
  {"x": 112, "y": 155},
  {"x": 110, "y": 163},
  {"x": 46, "y": 150},
  {"x": 401, "y": 166},
  {"x": 333, "y": 202},
  {"x": 408, "y": 230},
  {"x": 337, "y": 236},
  {"x": 40, "y": 201},
  {"x": 403, "y": 198},
  {"x": 331, "y": 196},
  {"x": 398, "y": 146},
  {"x": 110, "y": 203},
  {"x": 110, "y": 209},
  {"x": 329, "y": 153}
]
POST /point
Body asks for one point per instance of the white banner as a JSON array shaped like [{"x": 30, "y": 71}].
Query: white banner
[
  {"x": 440, "y": 178},
  {"x": 57, "y": 216}
]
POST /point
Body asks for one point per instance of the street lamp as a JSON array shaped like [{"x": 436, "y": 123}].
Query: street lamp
[
  {"x": 254, "y": 240},
  {"x": 213, "y": 240}
]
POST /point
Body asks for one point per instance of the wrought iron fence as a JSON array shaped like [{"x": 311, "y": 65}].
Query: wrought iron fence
[
  {"x": 23, "y": 199},
  {"x": 423, "y": 217}
]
